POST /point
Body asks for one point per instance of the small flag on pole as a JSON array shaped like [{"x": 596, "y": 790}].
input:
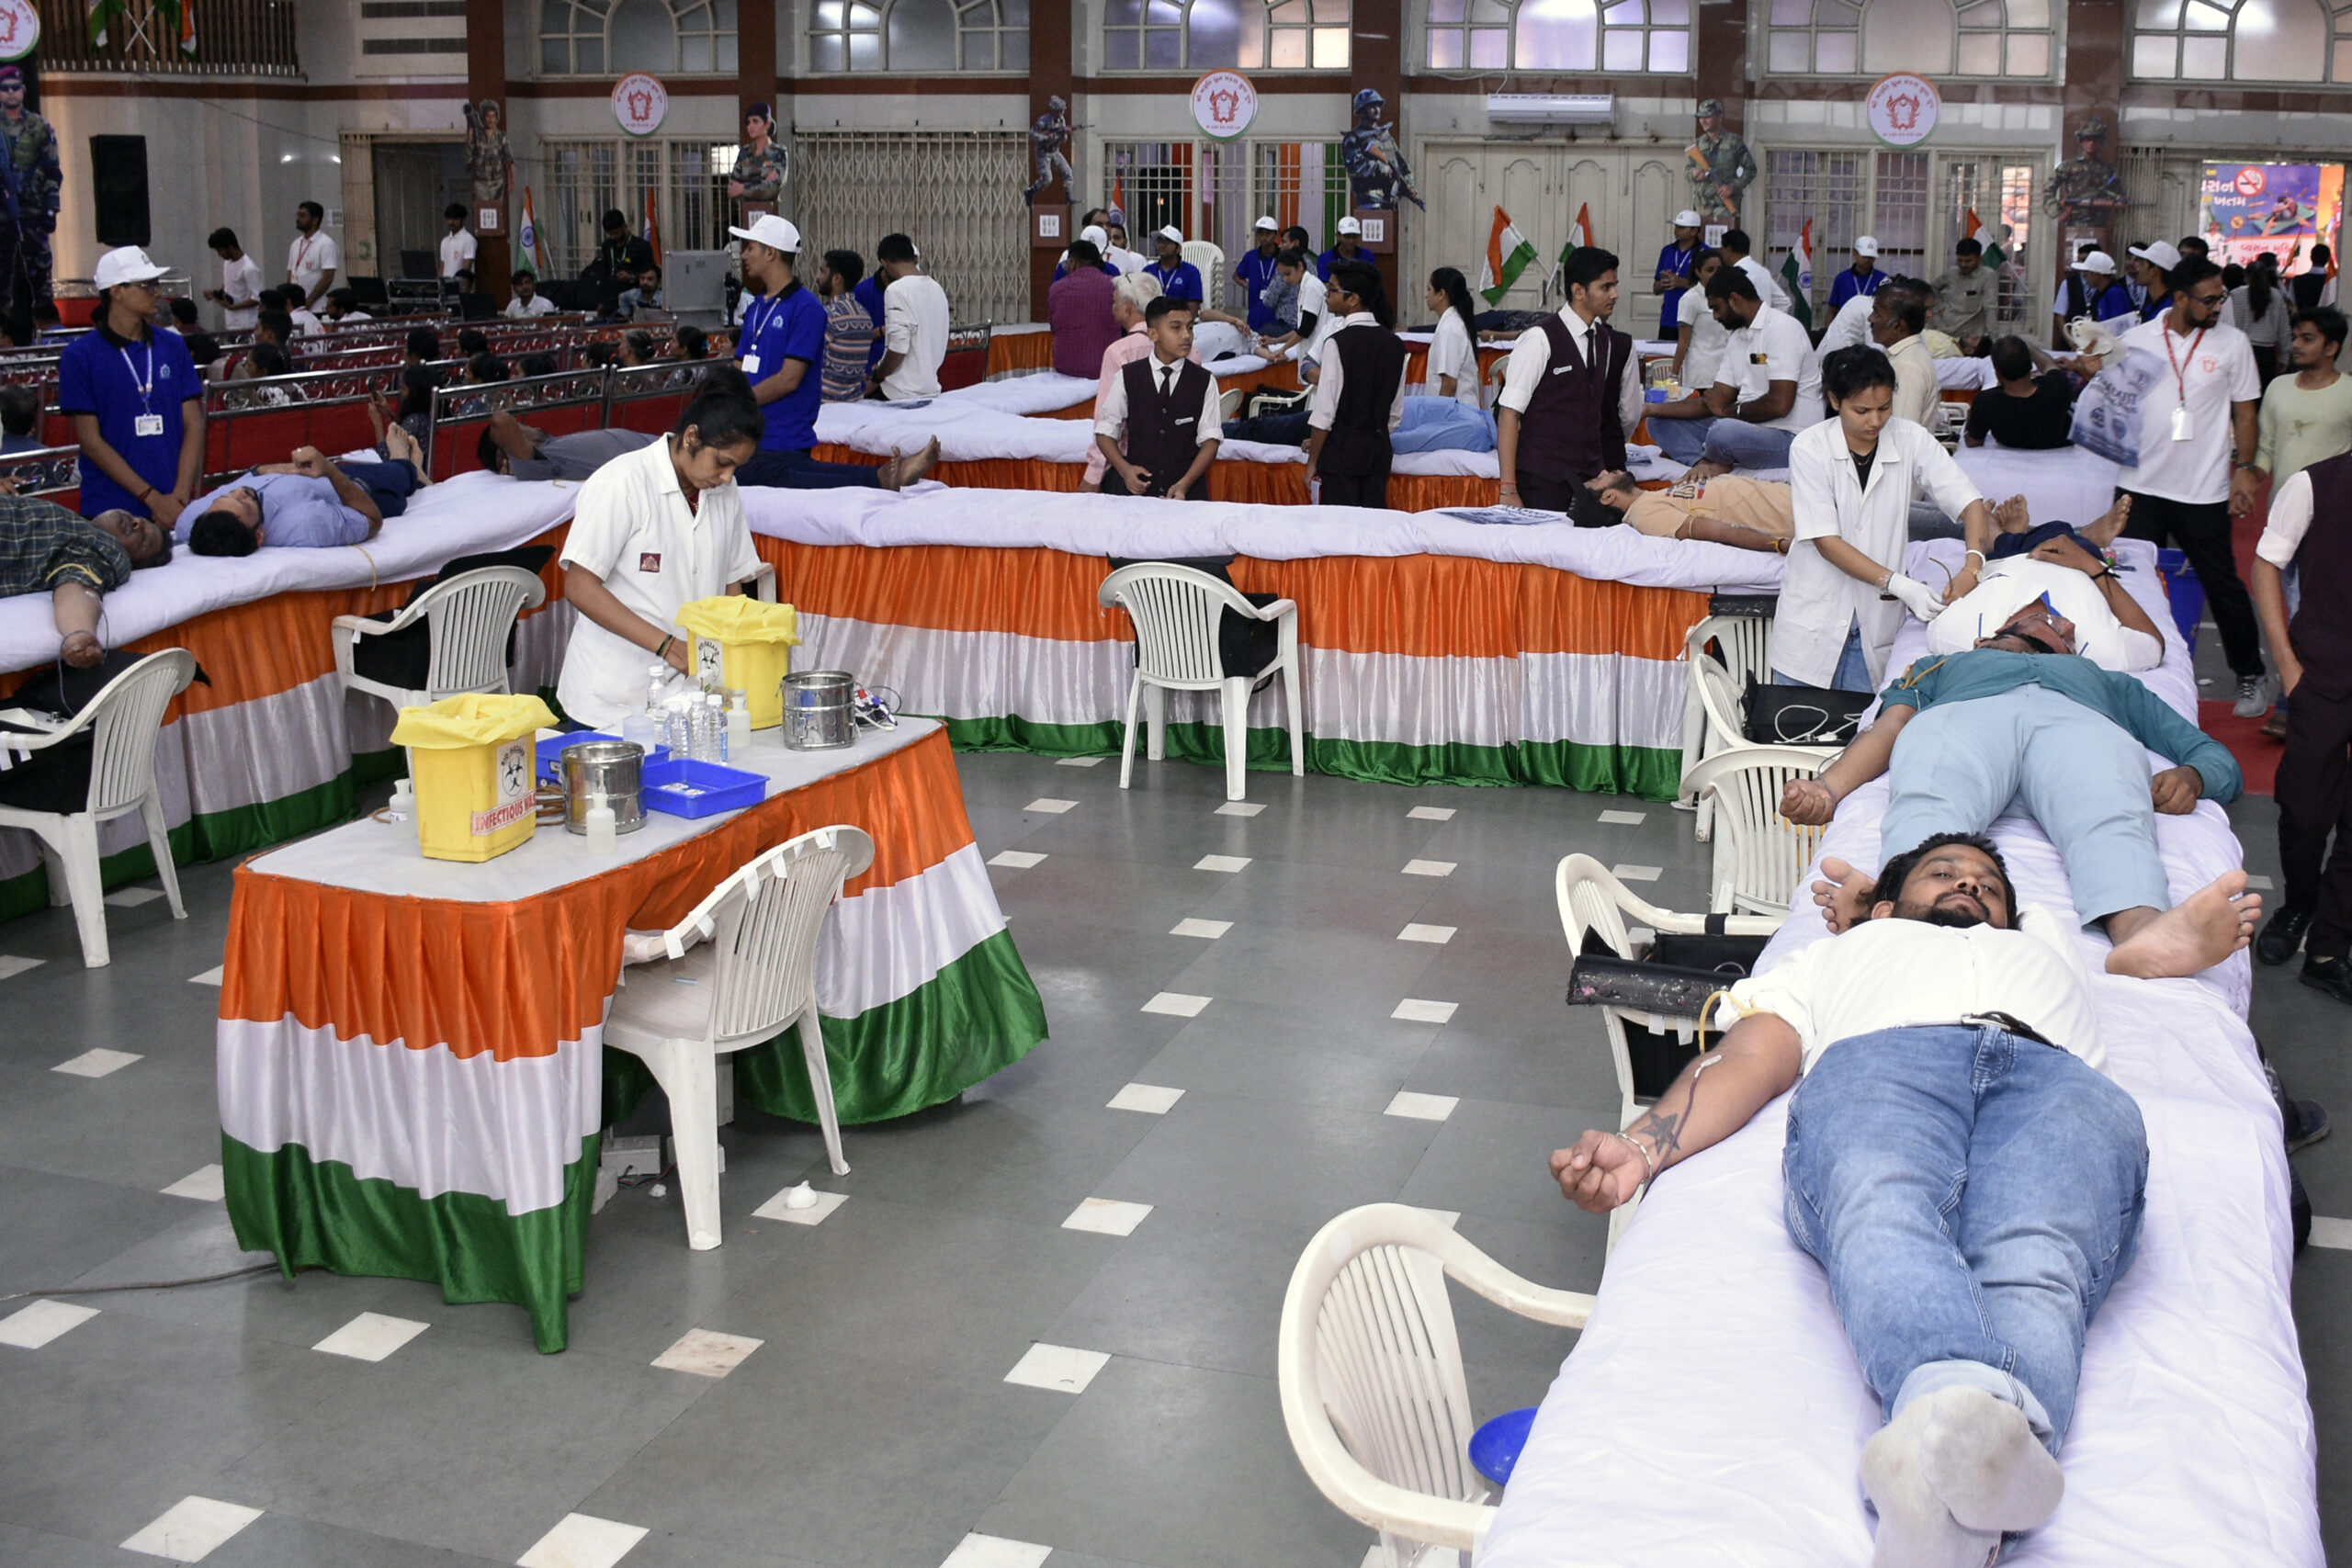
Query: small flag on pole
[
  {"x": 103, "y": 15},
  {"x": 526, "y": 242},
  {"x": 652, "y": 231},
  {"x": 1580, "y": 234},
  {"x": 1994, "y": 256},
  {"x": 1508, "y": 253},
  {"x": 1796, "y": 273},
  {"x": 186, "y": 29}
]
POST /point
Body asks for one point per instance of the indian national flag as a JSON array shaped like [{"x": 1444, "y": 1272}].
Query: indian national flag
[
  {"x": 103, "y": 15},
  {"x": 1580, "y": 234},
  {"x": 652, "y": 234},
  {"x": 179, "y": 15},
  {"x": 526, "y": 240},
  {"x": 1509, "y": 254},
  {"x": 1796, "y": 273},
  {"x": 1994, "y": 256}
]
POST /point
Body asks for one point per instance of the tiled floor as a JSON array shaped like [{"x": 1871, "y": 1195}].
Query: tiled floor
[{"x": 1037, "y": 1322}]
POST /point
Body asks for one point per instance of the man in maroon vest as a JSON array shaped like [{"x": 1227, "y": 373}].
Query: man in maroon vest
[
  {"x": 1572, "y": 393},
  {"x": 1158, "y": 423},
  {"x": 1359, "y": 391},
  {"x": 2310, "y": 528}
]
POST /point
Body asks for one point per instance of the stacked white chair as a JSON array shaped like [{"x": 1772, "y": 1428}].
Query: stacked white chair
[
  {"x": 1745, "y": 644},
  {"x": 124, "y": 721},
  {"x": 754, "y": 977},
  {"x": 1369, "y": 1374},
  {"x": 1759, "y": 854},
  {"x": 1176, "y": 610},
  {"x": 469, "y": 617}
]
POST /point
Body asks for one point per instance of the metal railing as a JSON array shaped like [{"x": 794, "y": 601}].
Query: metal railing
[{"x": 246, "y": 37}]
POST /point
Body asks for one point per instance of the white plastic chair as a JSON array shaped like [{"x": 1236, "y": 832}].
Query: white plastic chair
[
  {"x": 1209, "y": 256},
  {"x": 753, "y": 978},
  {"x": 1591, "y": 900},
  {"x": 124, "y": 722},
  {"x": 1746, "y": 645},
  {"x": 1175, "y": 609},
  {"x": 469, "y": 617},
  {"x": 1759, "y": 854},
  {"x": 1370, "y": 1374}
]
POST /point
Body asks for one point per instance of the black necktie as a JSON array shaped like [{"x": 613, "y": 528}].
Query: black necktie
[{"x": 1168, "y": 380}]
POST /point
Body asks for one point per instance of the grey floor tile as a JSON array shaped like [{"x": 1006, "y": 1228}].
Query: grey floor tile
[
  {"x": 1492, "y": 1160},
  {"x": 30, "y": 1547},
  {"x": 283, "y": 1540},
  {"x": 1220, "y": 1155},
  {"x": 298, "y": 1311},
  {"x": 60, "y": 1227},
  {"x": 1355, "y": 976},
  {"x": 1193, "y": 1288},
  {"x": 1202, "y": 1469},
  {"x": 1266, "y": 1050}
]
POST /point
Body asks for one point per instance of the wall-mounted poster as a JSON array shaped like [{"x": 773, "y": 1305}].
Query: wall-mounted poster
[{"x": 2285, "y": 208}]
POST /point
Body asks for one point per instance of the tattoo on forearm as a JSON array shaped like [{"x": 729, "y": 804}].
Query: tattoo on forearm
[{"x": 1664, "y": 1128}]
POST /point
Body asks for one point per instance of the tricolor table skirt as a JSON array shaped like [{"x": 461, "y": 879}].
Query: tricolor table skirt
[
  {"x": 1417, "y": 668},
  {"x": 412, "y": 1086}
]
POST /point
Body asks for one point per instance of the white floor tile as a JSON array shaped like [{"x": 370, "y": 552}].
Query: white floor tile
[
  {"x": 1058, "y": 1368},
  {"x": 996, "y": 1552},
  {"x": 1624, "y": 819},
  {"x": 1428, "y": 868},
  {"x": 1448, "y": 1217},
  {"x": 1081, "y": 761},
  {"x": 210, "y": 978},
  {"x": 707, "y": 1354},
  {"x": 1176, "y": 1004},
  {"x": 1220, "y": 863},
  {"x": 826, "y": 1203},
  {"x": 1017, "y": 860},
  {"x": 97, "y": 1063},
  {"x": 11, "y": 965},
  {"x": 1412, "y": 1010},
  {"x": 371, "y": 1336},
  {"x": 2258, "y": 884},
  {"x": 1440, "y": 935},
  {"x": 1423, "y": 1107},
  {"x": 2332, "y": 1232},
  {"x": 1635, "y": 872},
  {"x": 204, "y": 1184},
  {"x": 1210, "y": 929},
  {"x": 1051, "y": 806},
  {"x": 131, "y": 897},
  {"x": 193, "y": 1528},
  {"x": 583, "y": 1542},
  {"x": 1239, "y": 808},
  {"x": 1432, "y": 814},
  {"x": 1106, "y": 1216},
  {"x": 36, "y": 1325},
  {"x": 1148, "y": 1097}
]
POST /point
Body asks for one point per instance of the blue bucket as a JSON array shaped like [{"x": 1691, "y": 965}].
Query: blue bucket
[
  {"x": 1494, "y": 1447},
  {"x": 2184, "y": 592}
]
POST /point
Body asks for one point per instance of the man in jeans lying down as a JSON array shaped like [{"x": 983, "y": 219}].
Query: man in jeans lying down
[{"x": 1968, "y": 1178}]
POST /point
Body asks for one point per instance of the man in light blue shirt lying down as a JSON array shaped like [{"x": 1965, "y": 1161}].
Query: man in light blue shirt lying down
[{"x": 307, "y": 503}]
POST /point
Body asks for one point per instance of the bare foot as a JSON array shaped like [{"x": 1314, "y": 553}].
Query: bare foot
[
  {"x": 902, "y": 471},
  {"x": 2192, "y": 936},
  {"x": 2110, "y": 522},
  {"x": 2010, "y": 517},
  {"x": 1845, "y": 896}
]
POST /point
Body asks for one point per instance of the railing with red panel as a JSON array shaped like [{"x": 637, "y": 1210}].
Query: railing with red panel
[
  {"x": 650, "y": 397},
  {"x": 54, "y": 473},
  {"x": 561, "y": 404},
  {"x": 264, "y": 419},
  {"x": 967, "y": 361}
]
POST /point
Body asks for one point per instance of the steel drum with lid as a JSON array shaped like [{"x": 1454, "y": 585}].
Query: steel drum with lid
[{"x": 816, "y": 709}]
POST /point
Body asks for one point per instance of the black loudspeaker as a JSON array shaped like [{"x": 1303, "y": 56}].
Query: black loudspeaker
[{"x": 118, "y": 181}]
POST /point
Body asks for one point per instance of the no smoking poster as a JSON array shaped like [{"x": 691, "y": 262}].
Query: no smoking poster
[{"x": 2286, "y": 208}]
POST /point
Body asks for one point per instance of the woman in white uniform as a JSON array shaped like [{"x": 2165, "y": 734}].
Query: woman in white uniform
[
  {"x": 1453, "y": 365},
  {"x": 1699, "y": 338},
  {"x": 654, "y": 530},
  {"x": 1851, "y": 481}
]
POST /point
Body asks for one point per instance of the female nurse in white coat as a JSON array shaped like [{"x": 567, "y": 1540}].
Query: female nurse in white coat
[{"x": 1852, "y": 478}]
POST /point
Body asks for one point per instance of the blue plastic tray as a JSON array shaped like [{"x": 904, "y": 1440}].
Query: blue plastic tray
[
  {"x": 550, "y": 752},
  {"x": 719, "y": 788}
]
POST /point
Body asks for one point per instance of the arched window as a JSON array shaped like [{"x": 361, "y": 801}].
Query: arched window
[
  {"x": 2241, "y": 40},
  {"x": 601, "y": 38},
  {"x": 1560, "y": 35},
  {"x": 1934, "y": 38},
  {"x": 1248, "y": 34},
  {"x": 919, "y": 35}
]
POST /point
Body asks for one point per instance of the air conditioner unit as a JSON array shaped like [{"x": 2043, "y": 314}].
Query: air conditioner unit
[{"x": 1551, "y": 109}]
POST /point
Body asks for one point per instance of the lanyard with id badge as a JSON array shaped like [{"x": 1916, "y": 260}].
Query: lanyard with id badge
[
  {"x": 148, "y": 421},
  {"x": 2180, "y": 383},
  {"x": 751, "y": 362}
]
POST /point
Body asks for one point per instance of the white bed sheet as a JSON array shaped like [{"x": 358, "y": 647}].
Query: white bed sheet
[
  {"x": 466, "y": 515},
  {"x": 1713, "y": 1410},
  {"x": 2067, "y": 485}
]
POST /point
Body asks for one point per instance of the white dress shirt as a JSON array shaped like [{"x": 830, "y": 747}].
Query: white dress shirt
[
  {"x": 1818, "y": 601},
  {"x": 241, "y": 279},
  {"x": 1850, "y": 327},
  {"x": 1312, "y": 301},
  {"x": 1325, "y": 403},
  {"x": 540, "y": 305},
  {"x": 634, "y": 530},
  {"x": 2010, "y": 585},
  {"x": 1531, "y": 361},
  {"x": 1125, "y": 262},
  {"x": 1917, "y": 398},
  {"x": 306, "y": 323},
  {"x": 1110, "y": 405},
  {"x": 1768, "y": 288},
  {"x": 915, "y": 324},
  {"x": 2215, "y": 368},
  {"x": 2290, "y": 520},
  {"x": 310, "y": 257},
  {"x": 1895, "y": 974},
  {"x": 1453, "y": 353},
  {"x": 1705, "y": 358},
  {"x": 458, "y": 249},
  {"x": 1774, "y": 347}
]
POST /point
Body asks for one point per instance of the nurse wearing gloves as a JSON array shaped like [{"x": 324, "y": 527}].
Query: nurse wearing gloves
[{"x": 1852, "y": 478}]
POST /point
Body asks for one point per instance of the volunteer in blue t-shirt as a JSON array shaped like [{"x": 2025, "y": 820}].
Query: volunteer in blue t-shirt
[
  {"x": 781, "y": 347},
  {"x": 135, "y": 400},
  {"x": 1178, "y": 279},
  {"x": 868, "y": 293},
  {"x": 1676, "y": 264},
  {"x": 1255, "y": 273}
]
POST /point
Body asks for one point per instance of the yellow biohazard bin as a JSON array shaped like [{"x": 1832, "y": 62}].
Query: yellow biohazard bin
[
  {"x": 471, "y": 758},
  {"x": 746, "y": 646}
]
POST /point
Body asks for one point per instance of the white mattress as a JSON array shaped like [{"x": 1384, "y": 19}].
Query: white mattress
[
  {"x": 1713, "y": 1410},
  {"x": 2067, "y": 485}
]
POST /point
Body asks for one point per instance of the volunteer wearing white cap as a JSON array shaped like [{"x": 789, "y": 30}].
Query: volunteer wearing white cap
[
  {"x": 1674, "y": 270},
  {"x": 1349, "y": 248},
  {"x": 2104, "y": 298},
  {"x": 1093, "y": 234},
  {"x": 135, "y": 398},
  {"x": 1862, "y": 277},
  {"x": 2151, "y": 269},
  {"x": 1178, "y": 279},
  {"x": 915, "y": 324},
  {"x": 1256, "y": 273},
  {"x": 780, "y": 349}
]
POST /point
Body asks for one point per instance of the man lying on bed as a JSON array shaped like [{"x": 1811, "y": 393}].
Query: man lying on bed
[
  {"x": 2019, "y": 718},
  {"x": 1738, "y": 510},
  {"x": 1966, "y": 1177},
  {"x": 77, "y": 562},
  {"x": 306, "y": 502}
]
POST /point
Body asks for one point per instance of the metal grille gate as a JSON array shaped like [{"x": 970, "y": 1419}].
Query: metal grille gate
[{"x": 956, "y": 193}]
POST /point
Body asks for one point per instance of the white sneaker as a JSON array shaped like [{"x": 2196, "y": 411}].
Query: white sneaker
[{"x": 2255, "y": 692}]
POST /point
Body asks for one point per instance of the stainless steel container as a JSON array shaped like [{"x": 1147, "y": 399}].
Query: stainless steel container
[
  {"x": 612, "y": 771},
  {"x": 817, "y": 710}
]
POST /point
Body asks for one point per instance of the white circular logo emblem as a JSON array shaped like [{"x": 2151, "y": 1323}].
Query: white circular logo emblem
[
  {"x": 1224, "y": 103},
  {"x": 1903, "y": 108},
  {"x": 641, "y": 104}
]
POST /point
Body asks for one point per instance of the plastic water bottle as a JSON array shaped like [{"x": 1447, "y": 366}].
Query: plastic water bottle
[
  {"x": 721, "y": 733},
  {"x": 677, "y": 730}
]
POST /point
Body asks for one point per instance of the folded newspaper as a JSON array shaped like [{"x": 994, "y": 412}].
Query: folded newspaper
[{"x": 1514, "y": 516}]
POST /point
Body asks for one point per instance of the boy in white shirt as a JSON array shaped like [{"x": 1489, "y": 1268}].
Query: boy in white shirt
[
  {"x": 239, "y": 295},
  {"x": 915, "y": 324},
  {"x": 458, "y": 247}
]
